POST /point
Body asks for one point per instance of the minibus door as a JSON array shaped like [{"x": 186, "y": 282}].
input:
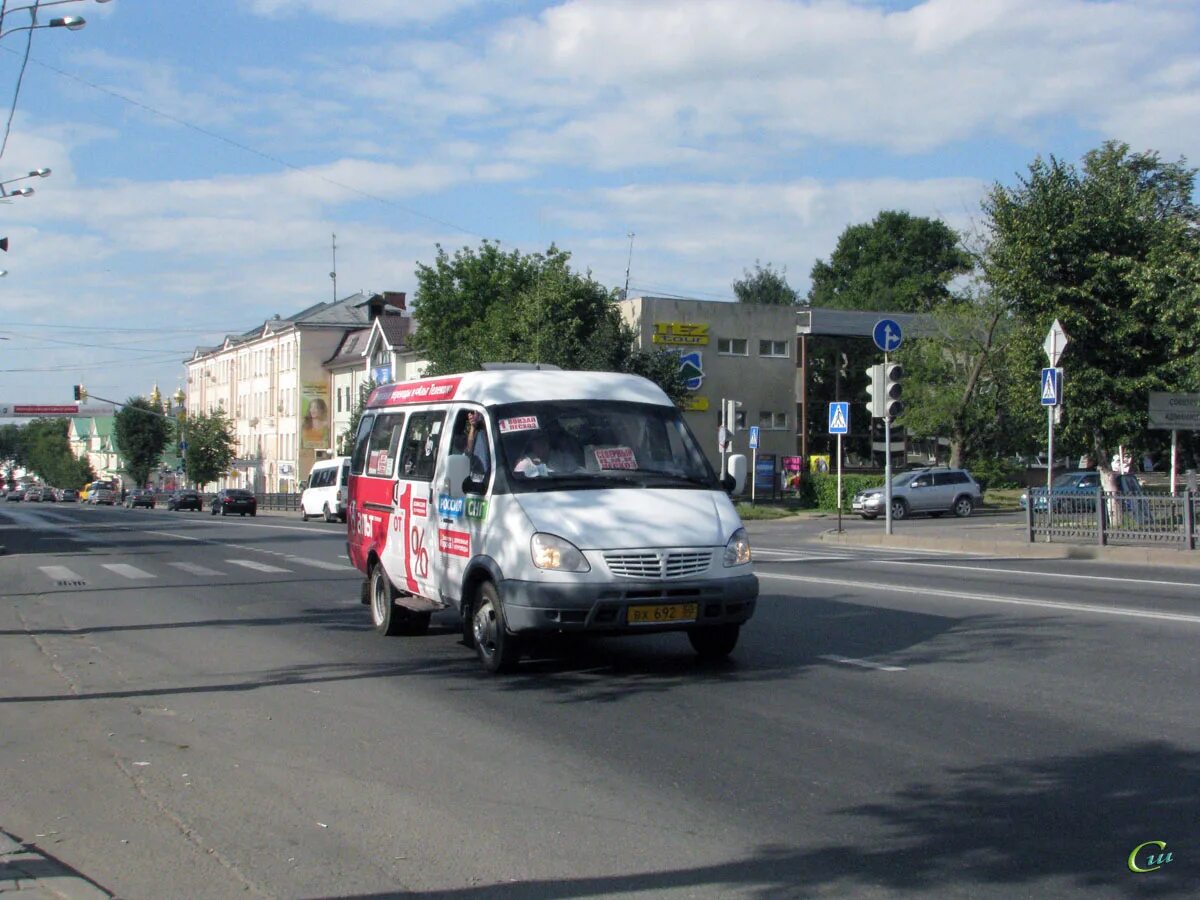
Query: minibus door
[
  {"x": 462, "y": 509},
  {"x": 414, "y": 539}
]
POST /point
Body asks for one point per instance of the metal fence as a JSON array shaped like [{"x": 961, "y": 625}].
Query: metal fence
[
  {"x": 1107, "y": 518},
  {"x": 265, "y": 501}
]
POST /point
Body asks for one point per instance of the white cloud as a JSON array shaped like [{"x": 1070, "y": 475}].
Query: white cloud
[{"x": 383, "y": 13}]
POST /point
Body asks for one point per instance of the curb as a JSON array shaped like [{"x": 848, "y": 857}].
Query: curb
[
  {"x": 26, "y": 869},
  {"x": 1134, "y": 555}
]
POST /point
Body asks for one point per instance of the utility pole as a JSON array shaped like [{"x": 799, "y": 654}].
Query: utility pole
[{"x": 628, "y": 265}]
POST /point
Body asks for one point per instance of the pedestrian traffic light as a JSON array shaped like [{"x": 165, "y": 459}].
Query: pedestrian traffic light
[
  {"x": 892, "y": 389},
  {"x": 875, "y": 391}
]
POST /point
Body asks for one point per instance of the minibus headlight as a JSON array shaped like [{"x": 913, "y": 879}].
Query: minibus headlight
[
  {"x": 552, "y": 552},
  {"x": 737, "y": 551}
]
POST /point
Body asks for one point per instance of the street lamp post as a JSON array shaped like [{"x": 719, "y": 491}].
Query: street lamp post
[
  {"x": 71, "y": 23},
  {"x": 21, "y": 191}
]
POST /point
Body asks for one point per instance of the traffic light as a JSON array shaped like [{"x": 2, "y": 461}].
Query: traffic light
[
  {"x": 80, "y": 393},
  {"x": 892, "y": 389},
  {"x": 875, "y": 391},
  {"x": 729, "y": 415}
]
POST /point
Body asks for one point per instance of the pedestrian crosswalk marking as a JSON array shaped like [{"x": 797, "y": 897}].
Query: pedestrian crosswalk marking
[
  {"x": 320, "y": 564},
  {"x": 60, "y": 573},
  {"x": 127, "y": 570},
  {"x": 257, "y": 566},
  {"x": 194, "y": 569}
]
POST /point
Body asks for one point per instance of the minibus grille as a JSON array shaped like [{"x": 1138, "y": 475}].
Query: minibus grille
[{"x": 678, "y": 564}]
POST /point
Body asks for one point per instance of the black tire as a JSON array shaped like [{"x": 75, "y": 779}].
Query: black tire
[
  {"x": 214, "y": 510},
  {"x": 388, "y": 617},
  {"x": 303, "y": 515},
  {"x": 498, "y": 649},
  {"x": 253, "y": 514},
  {"x": 224, "y": 512},
  {"x": 714, "y": 641},
  {"x": 964, "y": 506},
  {"x": 329, "y": 517},
  {"x": 868, "y": 518},
  {"x": 899, "y": 509}
]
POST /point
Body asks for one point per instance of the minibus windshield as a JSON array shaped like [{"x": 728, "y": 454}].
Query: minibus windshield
[{"x": 560, "y": 444}]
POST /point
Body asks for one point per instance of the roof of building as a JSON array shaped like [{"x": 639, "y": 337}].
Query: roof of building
[
  {"x": 351, "y": 348},
  {"x": 349, "y": 312}
]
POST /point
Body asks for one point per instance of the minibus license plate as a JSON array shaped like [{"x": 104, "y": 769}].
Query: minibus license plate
[{"x": 652, "y": 615}]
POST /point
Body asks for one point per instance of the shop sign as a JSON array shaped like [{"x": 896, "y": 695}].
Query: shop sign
[{"x": 691, "y": 333}]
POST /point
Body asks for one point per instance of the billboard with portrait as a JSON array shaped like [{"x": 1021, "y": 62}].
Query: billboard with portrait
[{"x": 315, "y": 417}]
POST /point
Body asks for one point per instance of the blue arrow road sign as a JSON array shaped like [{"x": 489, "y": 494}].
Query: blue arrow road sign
[
  {"x": 753, "y": 437},
  {"x": 839, "y": 418},
  {"x": 1051, "y": 387},
  {"x": 887, "y": 335}
]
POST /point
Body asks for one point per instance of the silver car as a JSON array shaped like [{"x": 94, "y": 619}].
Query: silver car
[{"x": 933, "y": 490}]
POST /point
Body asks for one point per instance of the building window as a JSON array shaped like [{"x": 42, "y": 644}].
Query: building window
[
  {"x": 339, "y": 399},
  {"x": 732, "y": 347},
  {"x": 773, "y": 348},
  {"x": 773, "y": 421}
]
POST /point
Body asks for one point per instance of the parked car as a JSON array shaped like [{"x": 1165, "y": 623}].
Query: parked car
[
  {"x": 932, "y": 490},
  {"x": 234, "y": 500},
  {"x": 139, "y": 497},
  {"x": 16, "y": 495},
  {"x": 32, "y": 494},
  {"x": 100, "y": 496},
  {"x": 185, "y": 499},
  {"x": 1076, "y": 491},
  {"x": 49, "y": 495},
  {"x": 67, "y": 495}
]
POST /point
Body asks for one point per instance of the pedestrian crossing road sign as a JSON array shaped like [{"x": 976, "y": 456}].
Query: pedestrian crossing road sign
[
  {"x": 839, "y": 418},
  {"x": 1051, "y": 387}
]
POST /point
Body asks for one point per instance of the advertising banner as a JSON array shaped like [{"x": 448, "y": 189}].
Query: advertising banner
[
  {"x": 791, "y": 467},
  {"x": 314, "y": 412}
]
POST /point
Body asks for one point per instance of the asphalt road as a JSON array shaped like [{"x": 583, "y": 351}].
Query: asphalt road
[{"x": 197, "y": 707}]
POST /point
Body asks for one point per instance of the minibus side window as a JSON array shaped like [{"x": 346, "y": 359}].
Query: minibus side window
[
  {"x": 421, "y": 445},
  {"x": 381, "y": 448},
  {"x": 359, "y": 459}
]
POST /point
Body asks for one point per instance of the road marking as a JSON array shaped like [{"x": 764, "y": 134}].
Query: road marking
[
  {"x": 987, "y": 598},
  {"x": 1119, "y": 580},
  {"x": 194, "y": 569},
  {"x": 320, "y": 564},
  {"x": 257, "y": 566},
  {"x": 60, "y": 573},
  {"x": 127, "y": 570},
  {"x": 862, "y": 663}
]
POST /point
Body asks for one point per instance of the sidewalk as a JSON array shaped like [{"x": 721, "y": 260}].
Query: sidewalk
[
  {"x": 34, "y": 875},
  {"x": 952, "y": 538}
]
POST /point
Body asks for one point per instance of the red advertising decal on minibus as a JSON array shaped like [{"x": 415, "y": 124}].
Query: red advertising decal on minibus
[{"x": 425, "y": 391}]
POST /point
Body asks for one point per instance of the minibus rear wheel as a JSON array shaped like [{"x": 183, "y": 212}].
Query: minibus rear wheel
[
  {"x": 714, "y": 642},
  {"x": 499, "y": 650},
  {"x": 387, "y": 616}
]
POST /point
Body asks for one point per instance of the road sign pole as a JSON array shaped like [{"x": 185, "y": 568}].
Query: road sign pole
[
  {"x": 1049, "y": 469},
  {"x": 753, "y": 473},
  {"x": 839, "y": 453},
  {"x": 1174, "y": 458},
  {"x": 887, "y": 465}
]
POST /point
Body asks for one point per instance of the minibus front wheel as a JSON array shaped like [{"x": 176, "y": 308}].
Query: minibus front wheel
[
  {"x": 498, "y": 649},
  {"x": 713, "y": 642}
]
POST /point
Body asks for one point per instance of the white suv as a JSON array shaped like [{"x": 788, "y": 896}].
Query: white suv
[{"x": 932, "y": 490}]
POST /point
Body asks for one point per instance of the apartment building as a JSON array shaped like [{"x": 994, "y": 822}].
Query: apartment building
[{"x": 280, "y": 384}]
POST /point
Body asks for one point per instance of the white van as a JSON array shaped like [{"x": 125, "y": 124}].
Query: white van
[
  {"x": 325, "y": 494},
  {"x": 544, "y": 501}
]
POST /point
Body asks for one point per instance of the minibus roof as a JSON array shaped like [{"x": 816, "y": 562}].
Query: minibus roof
[{"x": 491, "y": 388}]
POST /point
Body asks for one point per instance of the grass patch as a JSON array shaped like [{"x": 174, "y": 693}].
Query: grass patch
[
  {"x": 750, "y": 512},
  {"x": 1002, "y": 498}
]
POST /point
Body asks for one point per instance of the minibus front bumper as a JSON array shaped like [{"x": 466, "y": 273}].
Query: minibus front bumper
[{"x": 635, "y": 607}]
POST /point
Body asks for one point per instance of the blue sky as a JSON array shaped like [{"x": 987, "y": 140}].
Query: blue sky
[{"x": 204, "y": 152}]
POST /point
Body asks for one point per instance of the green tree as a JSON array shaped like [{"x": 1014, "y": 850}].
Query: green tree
[
  {"x": 1112, "y": 250},
  {"x": 210, "y": 446},
  {"x": 346, "y": 439},
  {"x": 46, "y": 451},
  {"x": 488, "y": 306},
  {"x": 10, "y": 443},
  {"x": 142, "y": 431},
  {"x": 898, "y": 262},
  {"x": 765, "y": 287}
]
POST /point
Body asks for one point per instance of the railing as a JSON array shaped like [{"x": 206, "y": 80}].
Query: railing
[
  {"x": 265, "y": 501},
  {"x": 1114, "y": 518}
]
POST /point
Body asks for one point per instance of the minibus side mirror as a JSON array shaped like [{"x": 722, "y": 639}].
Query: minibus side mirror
[
  {"x": 734, "y": 481},
  {"x": 458, "y": 470}
]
